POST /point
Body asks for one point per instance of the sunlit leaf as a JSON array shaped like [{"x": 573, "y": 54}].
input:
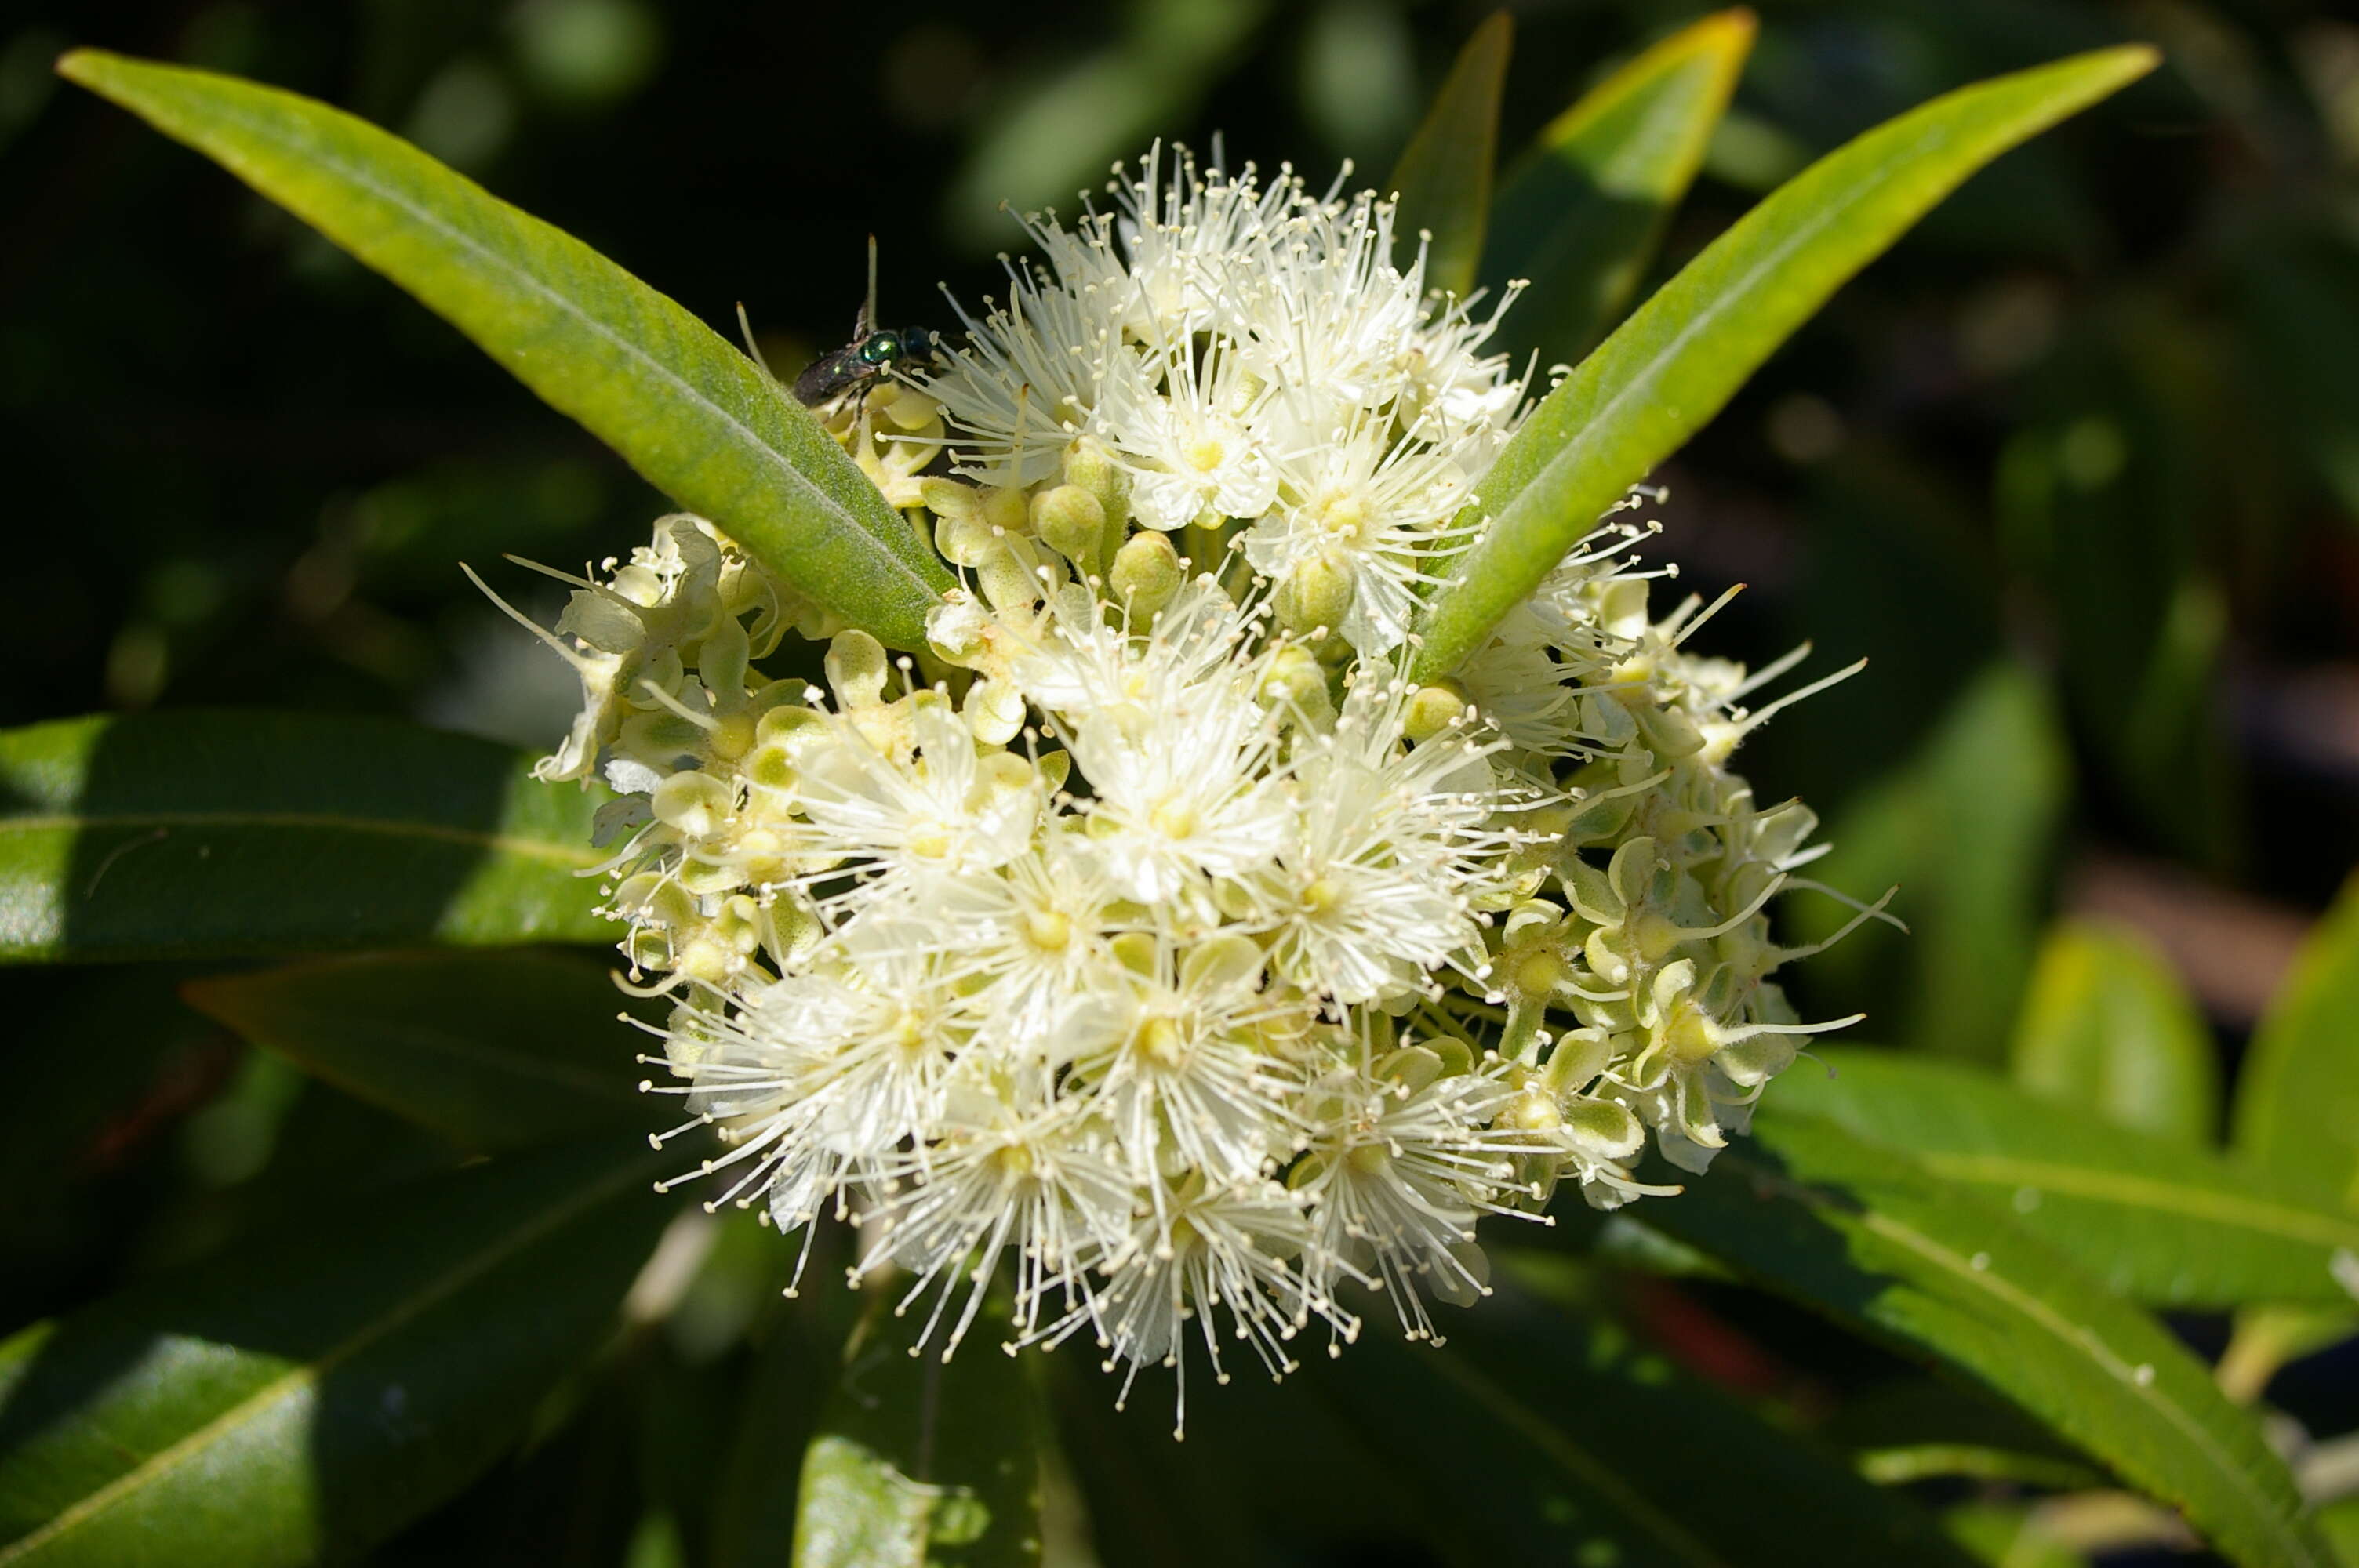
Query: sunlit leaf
[
  {"x": 2106, "y": 1025},
  {"x": 303, "y": 1396},
  {"x": 177, "y": 834},
  {"x": 697, "y": 419},
  {"x": 2151, "y": 1217},
  {"x": 1684, "y": 353},
  {"x": 1443, "y": 179},
  {"x": 1878, "y": 1242},
  {"x": 2296, "y": 1110},
  {"x": 1579, "y": 214}
]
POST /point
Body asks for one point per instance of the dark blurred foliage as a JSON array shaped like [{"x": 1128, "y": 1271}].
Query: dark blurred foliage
[{"x": 2076, "y": 467}]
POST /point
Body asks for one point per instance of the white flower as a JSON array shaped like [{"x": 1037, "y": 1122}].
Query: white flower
[{"x": 1148, "y": 937}]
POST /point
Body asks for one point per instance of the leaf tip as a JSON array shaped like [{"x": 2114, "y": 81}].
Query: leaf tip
[
  {"x": 82, "y": 65},
  {"x": 1733, "y": 29}
]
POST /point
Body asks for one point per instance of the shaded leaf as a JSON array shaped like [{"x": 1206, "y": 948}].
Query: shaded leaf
[
  {"x": 1684, "y": 353},
  {"x": 693, "y": 416},
  {"x": 2297, "y": 1112},
  {"x": 1046, "y": 135},
  {"x": 1877, "y": 1242},
  {"x": 2151, "y": 1217},
  {"x": 189, "y": 834},
  {"x": 493, "y": 1050},
  {"x": 1580, "y": 214},
  {"x": 919, "y": 1461},
  {"x": 1443, "y": 179},
  {"x": 1965, "y": 831},
  {"x": 2106, "y": 1025},
  {"x": 1539, "y": 1412},
  {"x": 301, "y": 1397}
]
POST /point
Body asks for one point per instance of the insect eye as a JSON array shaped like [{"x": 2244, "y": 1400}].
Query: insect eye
[{"x": 880, "y": 347}]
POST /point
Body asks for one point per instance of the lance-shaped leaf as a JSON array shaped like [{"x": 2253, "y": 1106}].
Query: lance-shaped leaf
[
  {"x": 1580, "y": 213},
  {"x": 1443, "y": 179},
  {"x": 1876, "y": 1240},
  {"x": 184, "y": 834},
  {"x": 922, "y": 1461},
  {"x": 302, "y": 1398},
  {"x": 697, "y": 419},
  {"x": 2151, "y": 1217},
  {"x": 1538, "y": 1413},
  {"x": 2298, "y": 1108},
  {"x": 1682, "y": 354},
  {"x": 493, "y": 1050}
]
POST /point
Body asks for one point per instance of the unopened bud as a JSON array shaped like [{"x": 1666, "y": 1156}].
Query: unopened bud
[
  {"x": 1432, "y": 709},
  {"x": 1315, "y": 594},
  {"x": 1007, "y": 510},
  {"x": 1146, "y": 573},
  {"x": 1070, "y": 521},
  {"x": 1090, "y": 466},
  {"x": 856, "y": 669}
]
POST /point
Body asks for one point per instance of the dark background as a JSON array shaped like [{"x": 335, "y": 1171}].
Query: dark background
[{"x": 2076, "y": 466}]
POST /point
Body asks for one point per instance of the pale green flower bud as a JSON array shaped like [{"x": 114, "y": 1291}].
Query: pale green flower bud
[
  {"x": 1146, "y": 573},
  {"x": 1433, "y": 709},
  {"x": 1314, "y": 597},
  {"x": 1070, "y": 521},
  {"x": 856, "y": 668},
  {"x": 1090, "y": 466}
]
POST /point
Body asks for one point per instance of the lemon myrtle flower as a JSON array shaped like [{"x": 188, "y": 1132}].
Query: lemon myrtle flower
[{"x": 1149, "y": 941}]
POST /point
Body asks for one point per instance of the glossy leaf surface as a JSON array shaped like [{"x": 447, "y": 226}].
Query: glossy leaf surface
[
  {"x": 1684, "y": 353},
  {"x": 1540, "y": 1411},
  {"x": 1876, "y": 1241},
  {"x": 189, "y": 834},
  {"x": 1580, "y": 213},
  {"x": 2152, "y": 1218},
  {"x": 302, "y": 1397}
]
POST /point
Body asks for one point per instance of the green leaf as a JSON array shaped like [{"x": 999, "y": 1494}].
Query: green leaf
[
  {"x": 1965, "y": 831},
  {"x": 2151, "y": 1217},
  {"x": 1580, "y": 214},
  {"x": 697, "y": 419},
  {"x": 2340, "y": 1522},
  {"x": 1443, "y": 179},
  {"x": 1045, "y": 133},
  {"x": 1684, "y": 353},
  {"x": 1546, "y": 1436},
  {"x": 302, "y": 1397},
  {"x": 182, "y": 835},
  {"x": 2298, "y": 1106},
  {"x": 493, "y": 1050},
  {"x": 1877, "y": 1242},
  {"x": 2106, "y": 1025},
  {"x": 2009, "y": 1535},
  {"x": 920, "y": 1462}
]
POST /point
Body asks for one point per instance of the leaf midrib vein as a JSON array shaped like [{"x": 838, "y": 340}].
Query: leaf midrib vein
[
  {"x": 159, "y": 1463},
  {"x": 2137, "y": 1191},
  {"x": 571, "y": 856},
  {"x": 2038, "y": 1311}
]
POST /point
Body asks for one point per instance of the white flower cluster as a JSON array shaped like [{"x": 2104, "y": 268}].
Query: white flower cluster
[{"x": 1148, "y": 933}]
